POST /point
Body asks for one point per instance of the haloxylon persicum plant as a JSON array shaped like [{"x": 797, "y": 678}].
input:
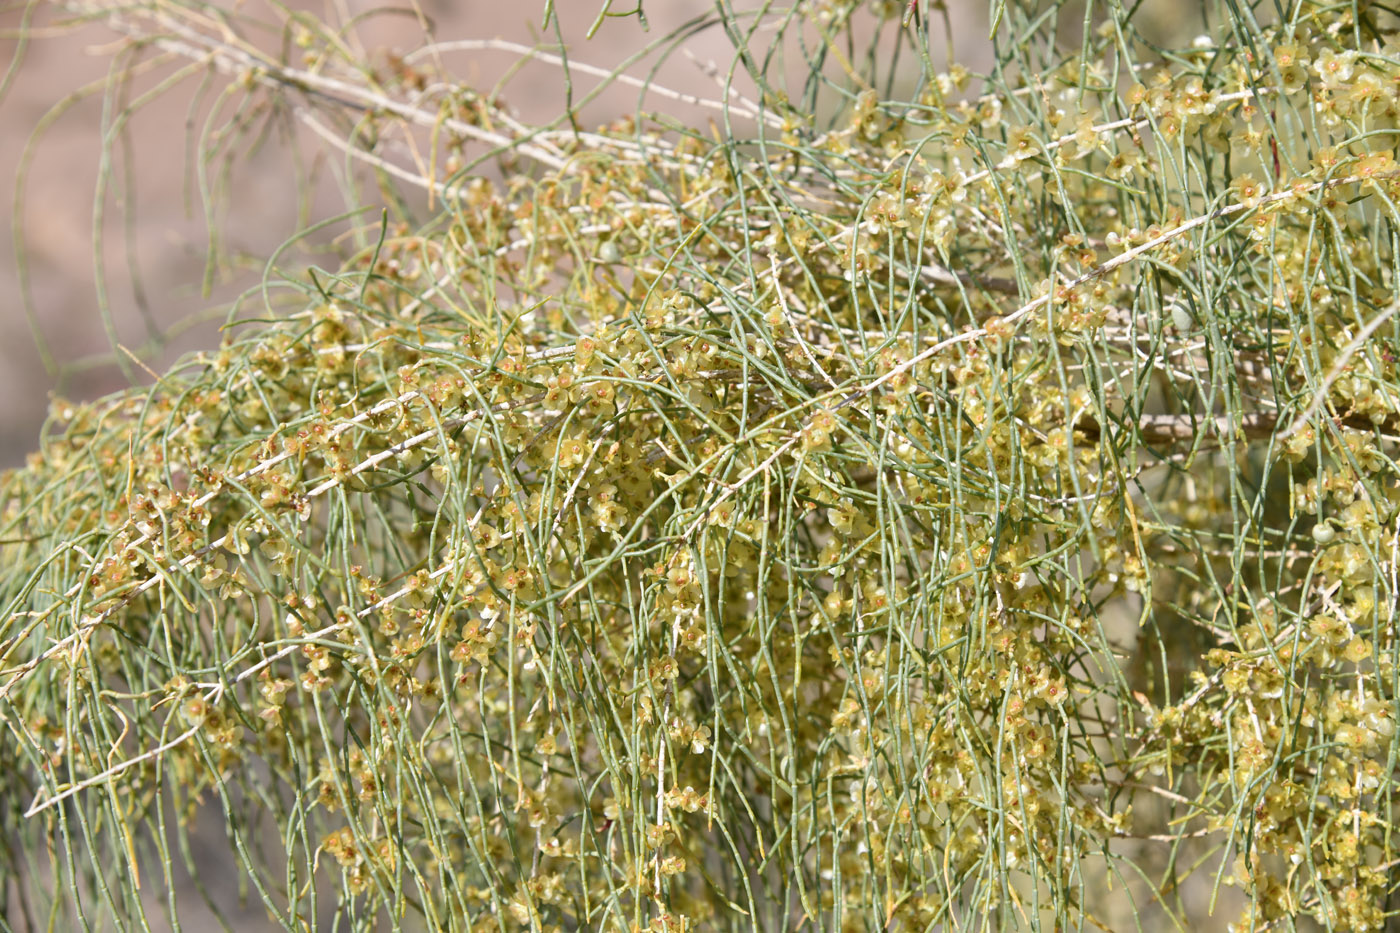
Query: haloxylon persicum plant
[{"x": 914, "y": 500}]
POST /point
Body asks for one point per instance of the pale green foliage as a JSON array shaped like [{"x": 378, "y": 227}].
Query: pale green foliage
[{"x": 971, "y": 509}]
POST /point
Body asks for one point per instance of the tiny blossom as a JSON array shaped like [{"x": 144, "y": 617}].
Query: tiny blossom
[
  {"x": 853, "y": 511},
  {"x": 1248, "y": 190},
  {"x": 1335, "y": 67}
]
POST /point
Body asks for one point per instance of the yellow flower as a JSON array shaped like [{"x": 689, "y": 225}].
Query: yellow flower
[
  {"x": 1247, "y": 190},
  {"x": 1335, "y": 68}
]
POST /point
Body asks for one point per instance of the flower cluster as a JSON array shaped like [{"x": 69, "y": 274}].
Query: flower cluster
[{"x": 881, "y": 523}]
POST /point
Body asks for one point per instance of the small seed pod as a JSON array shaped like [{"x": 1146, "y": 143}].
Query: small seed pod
[{"x": 1181, "y": 315}]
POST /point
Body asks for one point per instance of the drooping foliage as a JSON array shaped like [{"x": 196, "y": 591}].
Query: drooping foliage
[{"x": 920, "y": 500}]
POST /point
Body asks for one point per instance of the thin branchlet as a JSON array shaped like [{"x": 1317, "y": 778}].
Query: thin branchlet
[{"x": 916, "y": 500}]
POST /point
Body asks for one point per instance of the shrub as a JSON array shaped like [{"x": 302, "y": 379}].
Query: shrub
[{"x": 920, "y": 500}]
